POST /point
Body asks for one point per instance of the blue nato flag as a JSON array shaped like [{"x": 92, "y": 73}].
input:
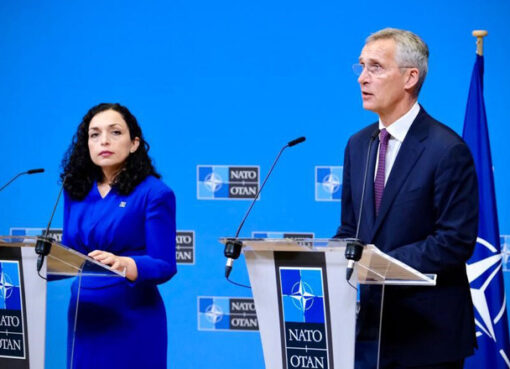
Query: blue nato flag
[{"x": 485, "y": 266}]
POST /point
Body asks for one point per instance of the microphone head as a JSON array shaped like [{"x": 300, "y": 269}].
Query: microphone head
[
  {"x": 353, "y": 249},
  {"x": 296, "y": 141},
  {"x": 34, "y": 171},
  {"x": 232, "y": 248}
]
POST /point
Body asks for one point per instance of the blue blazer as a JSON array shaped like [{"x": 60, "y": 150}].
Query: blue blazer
[{"x": 428, "y": 219}]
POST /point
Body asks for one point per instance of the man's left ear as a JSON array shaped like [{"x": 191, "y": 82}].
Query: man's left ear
[
  {"x": 412, "y": 78},
  {"x": 135, "y": 144}
]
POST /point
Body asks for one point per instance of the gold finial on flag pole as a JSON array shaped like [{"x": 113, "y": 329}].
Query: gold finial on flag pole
[{"x": 479, "y": 34}]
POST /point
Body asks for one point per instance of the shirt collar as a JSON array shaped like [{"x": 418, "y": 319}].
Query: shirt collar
[{"x": 400, "y": 127}]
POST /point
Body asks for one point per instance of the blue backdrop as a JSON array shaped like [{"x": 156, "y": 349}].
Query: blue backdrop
[{"x": 224, "y": 83}]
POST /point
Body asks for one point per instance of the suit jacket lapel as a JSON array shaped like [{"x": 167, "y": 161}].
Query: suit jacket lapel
[{"x": 409, "y": 152}]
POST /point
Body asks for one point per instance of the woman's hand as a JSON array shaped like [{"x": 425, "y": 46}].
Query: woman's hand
[{"x": 120, "y": 263}]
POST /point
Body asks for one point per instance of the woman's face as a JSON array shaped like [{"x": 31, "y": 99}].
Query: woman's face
[{"x": 109, "y": 141}]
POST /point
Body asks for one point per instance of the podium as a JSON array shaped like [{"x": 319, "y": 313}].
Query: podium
[
  {"x": 23, "y": 296},
  {"x": 306, "y": 309}
]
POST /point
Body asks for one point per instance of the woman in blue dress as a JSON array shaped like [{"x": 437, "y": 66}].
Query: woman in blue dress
[{"x": 118, "y": 212}]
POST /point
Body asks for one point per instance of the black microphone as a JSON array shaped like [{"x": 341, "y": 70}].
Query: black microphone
[
  {"x": 233, "y": 245},
  {"x": 296, "y": 141},
  {"x": 43, "y": 244},
  {"x": 34, "y": 171},
  {"x": 354, "y": 247},
  {"x": 31, "y": 171}
]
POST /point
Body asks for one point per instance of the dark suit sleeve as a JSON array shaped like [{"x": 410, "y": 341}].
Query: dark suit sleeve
[
  {"x": 348, "y": 220},
  {"x": 455, "y": 210}
]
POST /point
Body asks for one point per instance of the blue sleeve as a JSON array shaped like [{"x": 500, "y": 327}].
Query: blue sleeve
[{"x": 158, "y": 265}]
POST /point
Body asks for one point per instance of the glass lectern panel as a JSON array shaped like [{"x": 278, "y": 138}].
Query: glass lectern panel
[
  {"x": 374, "y": 267},
  {"x": 67, "y": 270},
  {"x": 62, "y": 260}
]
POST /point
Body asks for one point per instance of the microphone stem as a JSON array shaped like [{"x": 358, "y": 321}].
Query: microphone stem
[
  {"x": 31, "y": 171},
  {"x": 12, "y": 180},
  {"x": 54, "y": 208},
  {"x": 260, "y": 190},
  {"x": 233, "y": 246},
  {"x": 364, "y": 184}
]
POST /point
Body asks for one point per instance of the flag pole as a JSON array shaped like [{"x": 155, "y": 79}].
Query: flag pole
[{"x": 479, "y": 34}]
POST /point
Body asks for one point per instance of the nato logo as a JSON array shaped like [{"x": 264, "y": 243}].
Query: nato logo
[
  {"x": 227, "y": 314},
  {"x": 328, "y": 183},
  {"x": 222, "y": 182},
  {"x": 12, "y": 343},
  {"x": 484, "y": 282},
  {"x": 302, "y": 295},
  {"x": 304, "y": 316},
  {"x": 185, "y": 247}
]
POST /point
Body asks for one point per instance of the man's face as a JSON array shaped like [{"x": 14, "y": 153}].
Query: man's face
[{"x": 382, "y": 82}]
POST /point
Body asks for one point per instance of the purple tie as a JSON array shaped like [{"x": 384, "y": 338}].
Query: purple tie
[{"x": 384, "y": 137}]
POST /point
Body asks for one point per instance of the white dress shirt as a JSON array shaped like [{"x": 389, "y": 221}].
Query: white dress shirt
[{"x": 398, "y": 131}]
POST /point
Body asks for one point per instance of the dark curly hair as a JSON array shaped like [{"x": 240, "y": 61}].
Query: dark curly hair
[{"x": 79, "y": 172}]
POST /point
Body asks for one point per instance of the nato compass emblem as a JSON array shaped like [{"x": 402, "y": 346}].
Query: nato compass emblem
[
  {"x": 11, "y": 319},
  {"x": 302, "y": 296},
  {"x": 211, "y": 313},
  {"x": 5, "y": 287},
  {"x": 8, "y": 286},
  {"x": 226, "y": 314},
  {"x": 214, "y": 313},
  {"x": 485, "y": 281},
  {"x": 328, "y": 183},
  {"x": 212, "y": 182}
]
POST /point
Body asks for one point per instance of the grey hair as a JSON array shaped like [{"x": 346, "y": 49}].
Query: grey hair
[{"x": 411, "y": 51}]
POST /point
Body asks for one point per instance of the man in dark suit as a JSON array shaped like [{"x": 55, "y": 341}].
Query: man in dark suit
[{"x": 420, "y": 207}]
